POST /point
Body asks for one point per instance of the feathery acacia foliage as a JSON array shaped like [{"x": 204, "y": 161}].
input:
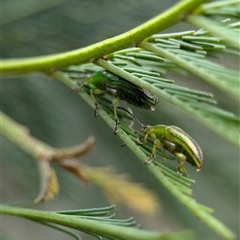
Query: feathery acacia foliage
[{"x": 146, "y": 65}]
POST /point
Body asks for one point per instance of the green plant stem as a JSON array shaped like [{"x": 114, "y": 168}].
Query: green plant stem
[
  {"x": 87, "y": 54},
  {"x": 84, "y": 224}
]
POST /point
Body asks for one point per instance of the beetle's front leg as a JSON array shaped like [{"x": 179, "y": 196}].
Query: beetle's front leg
[
  {"x": 156, "y": 143},
  {"x": 140, "y": 141}
]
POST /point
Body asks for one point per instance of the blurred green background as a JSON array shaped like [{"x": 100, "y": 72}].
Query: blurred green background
[{"x": 56, "y": 116}]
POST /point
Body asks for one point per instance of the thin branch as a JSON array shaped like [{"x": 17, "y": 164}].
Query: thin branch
[
  {"x": 101, "y": 228},
  {"x": 87, "y": 54}
]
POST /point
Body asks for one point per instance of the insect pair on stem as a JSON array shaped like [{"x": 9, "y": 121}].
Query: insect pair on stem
[{"x": 171, "y": 138}]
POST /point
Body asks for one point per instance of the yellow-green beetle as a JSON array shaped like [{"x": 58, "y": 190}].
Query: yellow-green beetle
[{"x": 177, "y": 142}]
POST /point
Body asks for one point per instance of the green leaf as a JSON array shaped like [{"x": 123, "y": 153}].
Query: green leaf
[{"x": 96, "y": 228}]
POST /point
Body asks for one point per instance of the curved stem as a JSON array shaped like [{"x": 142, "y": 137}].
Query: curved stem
[
  {"x": 83, "y": 224},
  {"x": 19, "y": 135},
  {"x": 87, "y": 54}
]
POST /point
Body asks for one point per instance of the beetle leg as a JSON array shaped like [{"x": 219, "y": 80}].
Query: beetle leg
[
  {"x": 181, "y": 158},
  {"x": 129, "y": 112},
  {"x": 150, "y": 159},
  {"x": 140, "y": 141},
  {"x": 95, "y": 103},
  {"x": 116, "y": 126},
  {"x": 115, "y": 106},
  {"x": 155, "y": 144},
  {"x": 77, "y": 89}
]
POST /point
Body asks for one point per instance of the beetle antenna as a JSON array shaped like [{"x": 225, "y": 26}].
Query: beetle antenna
[{"x": 124, "y": 109}]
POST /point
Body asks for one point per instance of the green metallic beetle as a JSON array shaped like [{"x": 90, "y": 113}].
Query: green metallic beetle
[
  {"x": 177, "y": 142},
  {"x": 105, "y": 82}
]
